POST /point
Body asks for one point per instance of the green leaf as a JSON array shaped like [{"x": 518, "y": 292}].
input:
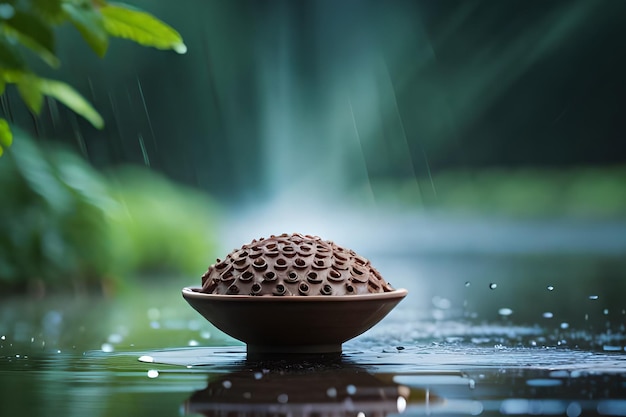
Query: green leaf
[
  {"x": 72, "y": 99},
  {"x": 35, "y": 34},
  {"x": 10, "y": 58},
  {"x": 3, "y": 84},
  {"x": 48, "y": 9},
  {"x": 90, "y": 24},
  {"x": 34, "y": 27},
  {"x": 27, "y": 86},
  {"x": 6, "y": 136},
  {"x": 129, "y": 23}
]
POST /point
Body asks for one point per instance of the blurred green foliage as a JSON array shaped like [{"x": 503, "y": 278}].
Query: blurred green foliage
[
  {"x": 62, "y": 224},
  {"x": 30, "y": 24}
]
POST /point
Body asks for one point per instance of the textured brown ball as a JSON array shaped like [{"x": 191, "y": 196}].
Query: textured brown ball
[{"x": 293, "y": 265}]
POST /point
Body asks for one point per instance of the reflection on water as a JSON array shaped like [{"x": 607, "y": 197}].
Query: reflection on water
[{"x": 301, "y": 389}]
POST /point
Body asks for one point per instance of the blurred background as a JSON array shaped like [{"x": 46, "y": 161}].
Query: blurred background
[{"x": 456, "y": 144}]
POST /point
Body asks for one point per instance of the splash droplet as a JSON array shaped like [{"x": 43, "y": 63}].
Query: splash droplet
[
  {"x": 107, "y": 347},
  {"x": 505, "y": 311}
]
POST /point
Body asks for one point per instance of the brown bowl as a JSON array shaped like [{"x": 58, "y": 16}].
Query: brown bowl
[{"x": 309, "y": 325}]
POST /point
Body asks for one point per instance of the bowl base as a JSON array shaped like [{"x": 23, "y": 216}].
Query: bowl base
[{"x": 262, "y": 350}]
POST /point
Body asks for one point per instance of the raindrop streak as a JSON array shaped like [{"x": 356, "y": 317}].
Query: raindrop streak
[
  {"x": 406, "y": 142},
  {"x": 79, "y": 137},
  {"x": 493, "y": 286},
  {"x": 358, "y": 138},
  {"x": 53, "y": 109},
  {"x": 146, "y": 159},
  {"x": 145, "y": 109}
]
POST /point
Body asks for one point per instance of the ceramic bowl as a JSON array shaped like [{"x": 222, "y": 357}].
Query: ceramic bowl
[{"x": 291, "y": 324}]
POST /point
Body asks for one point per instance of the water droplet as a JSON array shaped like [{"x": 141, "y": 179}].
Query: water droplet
[
  {"x": 467, "y": 283},
  {"x": 3, "y": 337},
  {"x": 351, "y": 389},
  {"x": 107, "y": 347},
  {"x": 610, "y": 348},
  {"x": 193, "y": 343},
  {"x": 247, "y": 395},
  {"x": 258, "y": 375},
  {"x": 573, "y": 410},
  {"x": 401, "y": 403},
  {"x": 493, "y": 286},
  {"x": 146, "y": 358},
  {"x": 606, "y": 311},
  {"x": 227, "y": 384},
  {"x": 472, "y": 384},
  {"x": 283, "y": 398},
  {"x": 180, "y": 48},
  {"x": 550, "y": 288},
  {"x": 360, "y": 414},
  {"x": 533, "y": 343},
  {"x": 205, "y": 335},
  {"x": 505, "y": 311},
  {"x": 564, "y": 325},
  {"x": 548, "y": 315},
  {"x": 593, "y": 297},
  {"x": 153, "y": 373},
  {"x": 331, "y": 392}
]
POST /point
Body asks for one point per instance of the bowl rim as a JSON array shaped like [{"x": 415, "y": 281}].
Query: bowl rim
[{"x": 192, "y": 292}]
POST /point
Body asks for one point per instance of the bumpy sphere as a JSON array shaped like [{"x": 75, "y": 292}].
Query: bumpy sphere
[{"x": 293, "y": 265}]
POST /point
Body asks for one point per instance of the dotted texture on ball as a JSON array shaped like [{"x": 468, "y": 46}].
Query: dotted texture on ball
[{"x": 293, "y": 265}]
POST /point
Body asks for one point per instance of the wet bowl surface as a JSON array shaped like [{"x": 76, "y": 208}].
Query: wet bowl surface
[{"x": 293, "y": 324}]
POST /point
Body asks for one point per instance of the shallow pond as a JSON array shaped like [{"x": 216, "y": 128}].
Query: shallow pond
[{"x": 477, "y": 335}]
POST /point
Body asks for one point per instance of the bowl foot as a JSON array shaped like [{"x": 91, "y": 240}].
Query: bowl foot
[{"x": 271, "y": 350}]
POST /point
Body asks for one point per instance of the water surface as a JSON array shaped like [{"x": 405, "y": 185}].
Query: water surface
[{"x": 478, "y": 335}]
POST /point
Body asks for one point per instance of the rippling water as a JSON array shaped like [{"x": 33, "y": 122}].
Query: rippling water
[{"x": 456, "y": 346}]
